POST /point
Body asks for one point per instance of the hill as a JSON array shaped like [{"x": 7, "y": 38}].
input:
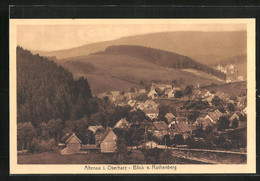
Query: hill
[
  {"x": 47, "y": 91},
  {"x": 121, "y": 72},
  {"x": 204, "y": 47},
  {"x": 161, "y": 58},
  {"x": 234, "y": 88}
]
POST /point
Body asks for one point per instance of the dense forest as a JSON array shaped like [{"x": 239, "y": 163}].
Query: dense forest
[
  {"x": 47, "y": 91},
  {"x": 161, "y": 58}
]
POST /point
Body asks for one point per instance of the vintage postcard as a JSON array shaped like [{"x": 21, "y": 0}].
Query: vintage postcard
[{"x": 132, "y": 96}]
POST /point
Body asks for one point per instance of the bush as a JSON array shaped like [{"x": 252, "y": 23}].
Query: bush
[
  {"x": 47, "y": 146},
  {"x": 137, "y": 157},
  {"x": 34, "y": 146}
]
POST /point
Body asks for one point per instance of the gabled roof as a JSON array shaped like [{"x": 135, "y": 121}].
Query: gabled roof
[
  {"x": 73, "y": 135},
  {"x": 218, "y": 93},
  {"x": 169, "y": 115},
  {"x": 121, "y": 122},
  {"x": 107, "y": 131},
  {"x": 181, "y": 119},
  {"x": 153, "y": 91},
  {"x": 95, "y": 128},
  {"x": 167, "y": 91},
  {"x": 180, "y": 128},
  {"x": 151, "y": 111},
  {"x": 235, "y": 115},
  {"x": 160, "y": 125},
  {"x": 215, "y": 115},
  {"x": 204, "y": 122}
]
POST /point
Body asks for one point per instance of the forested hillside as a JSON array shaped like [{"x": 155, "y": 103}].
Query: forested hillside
[
  {"x": 161, "y": 58},
  {"x": 47, "y": 91}
]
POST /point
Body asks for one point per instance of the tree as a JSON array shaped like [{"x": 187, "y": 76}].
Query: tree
[
  {"x": 178, "y": 94},
  {"x": 163, "y": 109},
  {"x": 25, "y": 134},
  {"x": 234, "y": 123},
  {"x": 216, "y": 101},
  {"x": 222, "y": 123},
  {"x": 121, "y": 156},
  {"x": 188, "y": 90},
  {"x": 231, "y": 107},
  {"x": 165, "y": 156},
  {"x": 55, "y": 127},
  {"x": 34, "y": 146}
]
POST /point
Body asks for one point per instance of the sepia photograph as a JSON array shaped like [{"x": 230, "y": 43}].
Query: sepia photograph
[{"x": 132, "y": 96}]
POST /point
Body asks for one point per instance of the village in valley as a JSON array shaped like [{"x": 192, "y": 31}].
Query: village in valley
[
  {"x": 166, "y": 97},
  {"x": 189, "y": 117}
]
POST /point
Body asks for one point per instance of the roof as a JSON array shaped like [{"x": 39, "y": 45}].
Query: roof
[
  {"x": 169, "y": 115},
  {"x": 167, "y": 91},
  {"x": 235, "y": 115},
  {"x": 181, "y": 119},
  {"x": 152, "y": 92},
  {"x": 121, "y": 122},
  {"x": 181, "y": 128},
  {"x": 105, "y": 134},
  {"x": 95, "y": 128},
  {"x": 151, "y": 111},
  {"x": 115, "y": 93},
  {"x": 215, "y": 115},
  {"x": 73, "y": 135},
  {"x": 89, "y": 147},
  {"x": 204, "y": 122},
  {"x": 160, "y": 125},
  {"x": 218, "y": 93}
]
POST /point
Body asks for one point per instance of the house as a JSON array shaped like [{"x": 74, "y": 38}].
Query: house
[
  {"x": 122, "y": 123},
  {"x": 96, "y": 129},
  {"x": 153, "y": 94},
  {"x": 236, "y": 116},
  {"x": 115, "y": 93},
  {"x": 180, "y": 128},
  {"x": 171, "y": 92},
  {"x": 150, "y": 104},
  {"x": 170, "y": 117},
  {"x": 168, "y": 86},
  {"x": 203, "y": 123},
  {"x": 244, "y": 111},
  {"x": 108, "y": 141},
  {"x": 73, "y": 144},
  {"x": 151, "y": 113},
  {"x": 224, "y": 96},
  {"x": 214, "y": 116},
  {"x": 149, "y": 145},
  {"x": 181, "y": 119},
  {"x": 131, "y": 103},
  {"x": 160, "y": 125},
  {"x": 159, "y": 129},
  {"x": 142, "y": 91},
  {"x": 209, "y": 99},
  {"x": 204, "y": 93}
]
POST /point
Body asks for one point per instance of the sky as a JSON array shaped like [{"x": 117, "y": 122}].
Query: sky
[{"x": 57, "y": 37}]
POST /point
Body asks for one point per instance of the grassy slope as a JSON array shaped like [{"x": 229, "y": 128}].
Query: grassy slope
[
  {"x": 234, "y": 88},
  {"x": 204, "y": 47},
  {"x": 57, "y": 158},
  {"x": 120, "y": 72}
]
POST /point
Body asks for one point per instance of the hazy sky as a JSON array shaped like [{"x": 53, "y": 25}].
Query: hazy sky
[{"x": 56, "y": 37}]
